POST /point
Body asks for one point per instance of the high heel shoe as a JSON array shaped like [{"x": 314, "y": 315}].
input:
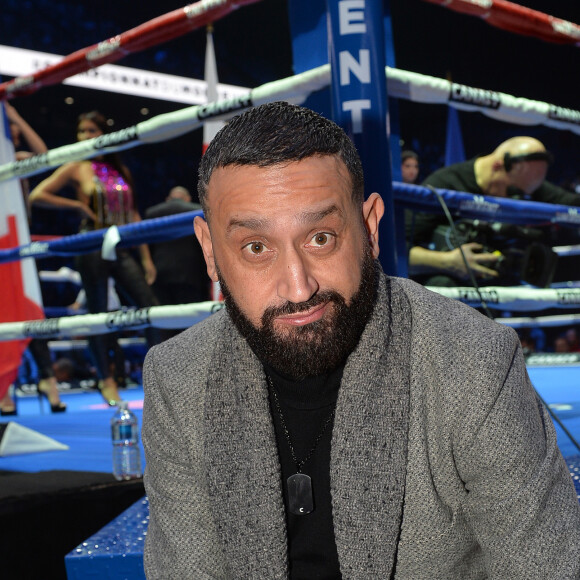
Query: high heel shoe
[
  {"x": 4, "y": 412},
  {"x": 45, "y": 389},
  {"x": 109, "y": 392},
  {"x": 7, "y": 406}
]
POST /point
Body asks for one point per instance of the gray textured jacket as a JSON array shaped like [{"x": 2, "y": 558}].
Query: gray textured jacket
[{"x": 443, "y": 465}]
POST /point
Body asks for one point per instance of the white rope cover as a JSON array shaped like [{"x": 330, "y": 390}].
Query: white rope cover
[
  {"x": 401, "y": 84},
  {"x": 541, "y": 321},
  {"x": 567, "y": 250},
  {"x": 180, "y": 316},
  {"x": 519, "y": 298},
  {"x": 63, "y": 274},
  {"x": 184, "y": 315},
  {"x": 501, "y": 106}
]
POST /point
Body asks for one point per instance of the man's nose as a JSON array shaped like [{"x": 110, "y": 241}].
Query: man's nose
[{"x": 296, "y": 282}]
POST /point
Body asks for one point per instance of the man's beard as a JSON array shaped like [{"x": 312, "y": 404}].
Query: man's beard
[{"x": 316, "y": 348}]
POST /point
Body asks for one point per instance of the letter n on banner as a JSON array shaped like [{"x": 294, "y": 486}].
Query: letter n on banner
[
  {"x": 20, "y": 297},
  {"x": 359, "y": 100}
]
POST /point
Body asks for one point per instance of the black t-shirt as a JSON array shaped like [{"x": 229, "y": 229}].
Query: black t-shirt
[
  {"x": 306, "y": 405},
  {"x": 179, "y": 261}
]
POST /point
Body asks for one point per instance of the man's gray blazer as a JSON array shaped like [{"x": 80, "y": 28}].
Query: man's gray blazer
[{"x": 443, "y": 464}]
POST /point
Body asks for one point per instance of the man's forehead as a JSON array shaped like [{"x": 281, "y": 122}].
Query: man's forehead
[{"x": 317, "y": 171}]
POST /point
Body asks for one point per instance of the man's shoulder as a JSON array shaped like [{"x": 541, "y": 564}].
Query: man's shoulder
[
  {"x": 439, "y": 315},
  {"x": 194, "y": 345},
  {"x": 459, "y": 176},
  {"x": 550, "y": 193},
  {"x": 453, "y": 344}
]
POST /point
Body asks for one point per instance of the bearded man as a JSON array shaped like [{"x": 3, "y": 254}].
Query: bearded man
[{"x": 332, "y": 422}]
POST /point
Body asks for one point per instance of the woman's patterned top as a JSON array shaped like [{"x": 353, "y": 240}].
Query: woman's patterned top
[{"x": 113, "y": 198}]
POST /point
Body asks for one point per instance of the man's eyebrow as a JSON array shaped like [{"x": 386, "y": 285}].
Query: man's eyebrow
[
  {"x": 316, "y": 216},
  {"x": 260, "y": 224},
  {"x": 246, "y": 223}
]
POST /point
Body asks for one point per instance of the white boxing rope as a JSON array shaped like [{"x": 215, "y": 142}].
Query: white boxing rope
[
  {"x": 169, "y": 125},
  {"x": 184, "y": 315},
  {"x": 567, "y": 250},
  {"x": 517, "y": 298},
  {"x": 81, "y": 344},
  {"x": 540, "y": 321},
  {"x": 501, "y": 106},
  {"x": 401, "y": 84},
  {"x": 180, "y": 316},
  {"x": 63, "y": 274}
]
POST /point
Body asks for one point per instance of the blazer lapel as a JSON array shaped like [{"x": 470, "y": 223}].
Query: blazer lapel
[
  {"x": 242, "y": 464},
  {"x": 368, "y": 456},
  {"x": 369, "y": 446}
]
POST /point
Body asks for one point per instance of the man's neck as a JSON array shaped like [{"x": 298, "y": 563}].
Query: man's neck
[{"x": 307, "y": 392}]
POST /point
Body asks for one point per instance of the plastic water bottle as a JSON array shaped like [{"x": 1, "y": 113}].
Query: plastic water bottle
[{"x": 125, "y": 435}]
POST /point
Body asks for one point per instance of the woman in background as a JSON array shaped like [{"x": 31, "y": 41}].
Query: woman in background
[{"x": 104, "y": 198}]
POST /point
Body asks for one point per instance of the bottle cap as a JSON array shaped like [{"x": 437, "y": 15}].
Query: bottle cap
[{"x": 124, "y": 405}]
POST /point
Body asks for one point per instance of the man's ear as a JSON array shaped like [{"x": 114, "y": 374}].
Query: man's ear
[
  {"x": 497, "y": 165},
  {"x": 204, "y": 237},
  {"x": 373, "y": 210}
]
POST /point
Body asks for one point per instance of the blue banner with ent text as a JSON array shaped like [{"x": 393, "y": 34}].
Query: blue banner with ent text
[{"x": 359, "y": 99}]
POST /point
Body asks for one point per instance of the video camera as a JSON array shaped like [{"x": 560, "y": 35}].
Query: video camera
[{"x": 523, "y": 254}]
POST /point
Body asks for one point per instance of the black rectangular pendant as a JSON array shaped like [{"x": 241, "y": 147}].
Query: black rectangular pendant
[{"x": 300, "y": 500}]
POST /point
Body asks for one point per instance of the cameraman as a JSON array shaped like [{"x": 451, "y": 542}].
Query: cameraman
[{"x": 517, "y": 169}]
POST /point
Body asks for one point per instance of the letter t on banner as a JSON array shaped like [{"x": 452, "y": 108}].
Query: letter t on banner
[{"x": 359, "y": 100}]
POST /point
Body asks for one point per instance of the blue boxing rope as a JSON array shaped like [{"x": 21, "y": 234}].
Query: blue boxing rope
[
  {"x": 461, "y": 204},
  {"x": 144, "y": 232},
  {"x": 499, "y": 209}
]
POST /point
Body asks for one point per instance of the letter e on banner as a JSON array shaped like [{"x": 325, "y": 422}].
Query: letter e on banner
[{"x": 351, "y": 17}]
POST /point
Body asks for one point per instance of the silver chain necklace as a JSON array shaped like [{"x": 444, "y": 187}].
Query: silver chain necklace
[{"x": 299, "y": 485}]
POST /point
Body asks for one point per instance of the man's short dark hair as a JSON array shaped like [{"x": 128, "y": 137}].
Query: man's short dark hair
[
  {"x": 277, "y": 133},
  {"x": 408, "y": 154}
]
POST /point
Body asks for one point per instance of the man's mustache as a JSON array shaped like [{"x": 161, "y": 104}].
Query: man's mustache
[{"x": 297, "y": 307}]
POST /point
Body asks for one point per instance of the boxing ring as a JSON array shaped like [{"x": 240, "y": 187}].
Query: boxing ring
[{"x": 400, "y": 84}]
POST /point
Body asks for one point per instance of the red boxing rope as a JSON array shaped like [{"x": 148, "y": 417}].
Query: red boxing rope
[
  {"x": 518, "y": 19},
  {"x": 151, "y": 33}
]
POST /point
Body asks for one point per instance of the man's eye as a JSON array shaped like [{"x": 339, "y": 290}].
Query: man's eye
[
  {"x": 321, "y": 239},
  {"x": 256, "y": 248}
]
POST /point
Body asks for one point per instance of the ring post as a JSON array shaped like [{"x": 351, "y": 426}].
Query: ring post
[{"x": 359, "y": 100}]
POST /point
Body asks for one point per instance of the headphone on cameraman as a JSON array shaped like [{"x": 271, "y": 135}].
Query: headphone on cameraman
[{"x": 510, "y": 160}]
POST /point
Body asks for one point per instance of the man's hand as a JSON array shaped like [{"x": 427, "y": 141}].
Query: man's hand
[{"x": 477, "y": 260}]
